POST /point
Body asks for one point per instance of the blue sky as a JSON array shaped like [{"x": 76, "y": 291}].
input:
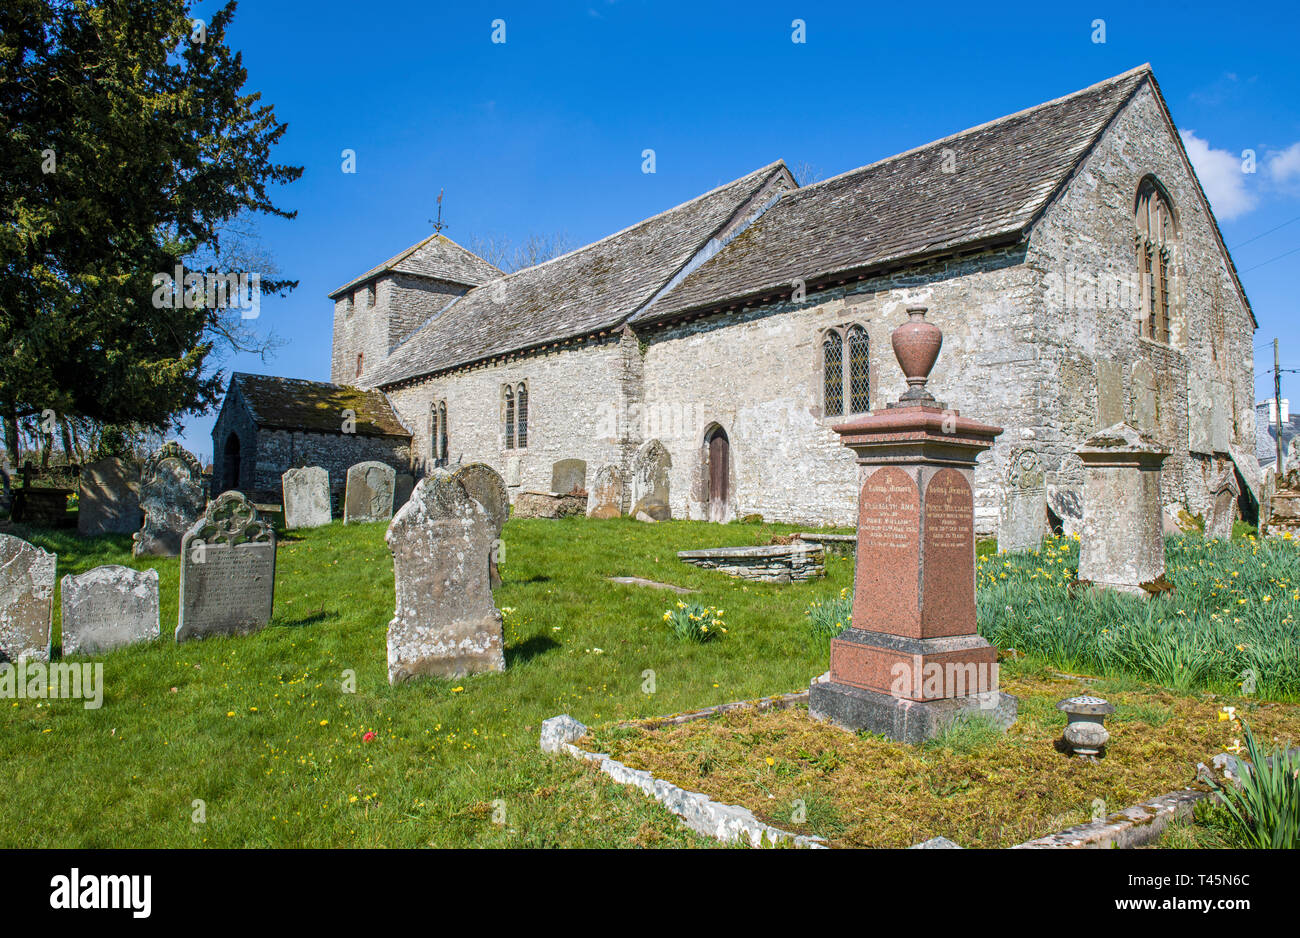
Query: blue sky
[{"x": 544, "y": 133}]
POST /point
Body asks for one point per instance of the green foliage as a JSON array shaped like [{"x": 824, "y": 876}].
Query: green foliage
[
  {"x": 1230, "y": 625},
  {"x": 128, "y": 146},
  {"x": 1265, "y": 808},
  {"x": 692, "y": 622},
  {"x": 830, "y": 617},
  {"x": 964, "y": 734}
]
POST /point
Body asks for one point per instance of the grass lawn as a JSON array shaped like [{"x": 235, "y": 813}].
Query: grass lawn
[
  {"x": 974, "y": 785},
  {"x": 259, "y": 728}
]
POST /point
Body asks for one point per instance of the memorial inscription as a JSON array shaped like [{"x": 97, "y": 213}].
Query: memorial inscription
[
  {"x": 888, "y": 548},
  {"x": 948, "y": 573}
]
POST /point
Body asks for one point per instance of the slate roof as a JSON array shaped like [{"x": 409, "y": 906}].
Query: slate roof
[
  {"x": 296, "y": 404},
  {"x": 436, "y": 256},
  {"x": 587, "y": 290},
  {"x": 905, "y": 206}
]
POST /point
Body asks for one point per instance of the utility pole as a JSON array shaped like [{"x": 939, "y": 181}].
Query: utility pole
[{"x": 1277, "y": 403}]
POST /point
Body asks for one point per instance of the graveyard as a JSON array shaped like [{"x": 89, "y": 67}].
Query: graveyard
[{"x": 262, "y": 729}]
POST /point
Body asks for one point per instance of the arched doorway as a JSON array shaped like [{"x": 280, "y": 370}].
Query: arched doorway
[
  {"x": 719, "y": 473},
  {"x": 230, "y": 464}
]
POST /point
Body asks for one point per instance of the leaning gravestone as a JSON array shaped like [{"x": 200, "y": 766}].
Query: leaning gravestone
[
  {"x": 1223, "y": 510},
  {"x": 108, "y": 607},
  {"x": 369, "y": 495},
  {"x": 569, "y": 475},
  {"x": 26, "y": 600},
  {"x": 605, "y": 500},
  {"x": 1024, "y": 512},
  {"x": 172, "y": 496},
  {"x": 487, "y": 488},
  {"x": 306, "y": 497},
  {"x": 444, "y": 624},
  {"x": 227, "y": 571},
  {"x": 109, "y": 501},
  {"x": 650, "y": 469}
]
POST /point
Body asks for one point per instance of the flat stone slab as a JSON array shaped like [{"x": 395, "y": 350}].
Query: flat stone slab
[
  {"x": 771, "y": 563},
  {"x": 26, "y": 600},
  {"x": 549, "y": 505},
  {"x": 108, "y": 607},
  {"x": 844, "y": 545},
  {"x": 638, "y": 581}
]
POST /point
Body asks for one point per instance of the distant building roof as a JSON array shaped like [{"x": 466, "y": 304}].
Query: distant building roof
[
  {"x": 592, "y": 288},
  {"x": 296, "y": 404},
  {"x": 438, "y": 257}
]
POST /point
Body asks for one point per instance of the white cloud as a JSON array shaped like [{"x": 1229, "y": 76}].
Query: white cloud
[
  {"x": 1284, "y": 165},
  {"x": 1221, "y": 176}
]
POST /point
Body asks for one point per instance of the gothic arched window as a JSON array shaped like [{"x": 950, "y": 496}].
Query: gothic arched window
[
  {"x": 1154, "y": 219},
  {"x": 832, "y": 374},
  {"x": 508, "y": 403},
  {"x": 521, "y": 419},
  {"x": 360, "y": 360},
  {"x": 434, "y": 431}
]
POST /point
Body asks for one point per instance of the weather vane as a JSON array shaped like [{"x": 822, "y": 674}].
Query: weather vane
[{"x": 439, "y": 224}]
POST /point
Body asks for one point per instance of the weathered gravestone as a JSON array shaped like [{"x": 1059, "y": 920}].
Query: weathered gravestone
[
  {"x": 109, "y": 501},
  {"x": 650, "y": 470},
  {"x": 108, "y": 607},
  {"x": 1067, "y": 505},
  {"x": 26, "y": 600},
  {"x": 444, "y": 623},
  {"x": 1024, "y": 512},
  {"x": 911, "y": 660},
  {"x": 172, "y": 495},
  {"x": 227, "y": 571},
  {"x": 1122, "y": 545},
  {"x": 569, "y": 476},
  {"x": 605, "y": 500},
  {"x": 369, "y": 495},
  {"x": 306, "y": 497},
  {"x": 1223, "y": 508},
  {"x": 486, "y": 487}
]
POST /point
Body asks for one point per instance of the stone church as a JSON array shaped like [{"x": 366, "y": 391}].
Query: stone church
[{"x": 1067, "y": 252}]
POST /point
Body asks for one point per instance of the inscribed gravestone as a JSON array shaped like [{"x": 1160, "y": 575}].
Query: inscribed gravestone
[
  {"x": 606, "y": 497},
  {"x": 26, "y": 600},
  {"x": 108, "y": 607},
  {"x": 1142, "y": 410},
  {"x": 227, "y": 571},
  {"x": 1110, "y": 393},
  {"x": 1024, "y": 512},
  {"x": 485, "y": 486},
  {"x": 306, "y": 497},
  {"x": 109, "y": 500},
  {"x": 369, "y": 494},
  {"x": 172, "y": 496},
  {"x": 569, "y": 475},
  {"x": 650, "y": 471},
  {"x": 444, "y": 623}
]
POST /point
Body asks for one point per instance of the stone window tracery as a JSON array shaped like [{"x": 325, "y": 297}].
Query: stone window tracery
[
  {"x": 1155, "y": 239},
  {"x": 845, "y": 371}
]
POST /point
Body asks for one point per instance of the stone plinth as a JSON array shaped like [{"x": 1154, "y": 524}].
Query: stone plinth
[
  {"x": 1122, "y": 542},
  {"x": 772, "y": 563},
  {"x": 911, "y": 659}
]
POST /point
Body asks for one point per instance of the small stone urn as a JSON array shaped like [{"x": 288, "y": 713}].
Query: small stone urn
[
  {"x": 916, "y": 346},
  {"x": 1085, "y": 732}
]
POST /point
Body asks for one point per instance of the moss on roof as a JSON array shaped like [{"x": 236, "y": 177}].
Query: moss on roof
[{"x": 296, "y": 404}]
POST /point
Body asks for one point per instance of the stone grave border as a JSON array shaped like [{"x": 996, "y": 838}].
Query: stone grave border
[
  {"x": 1135, "y": 826},
  {"x": 725, "y": 822}
]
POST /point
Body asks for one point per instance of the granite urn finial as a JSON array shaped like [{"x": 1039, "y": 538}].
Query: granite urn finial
[{"x": 916, "y": 346}]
